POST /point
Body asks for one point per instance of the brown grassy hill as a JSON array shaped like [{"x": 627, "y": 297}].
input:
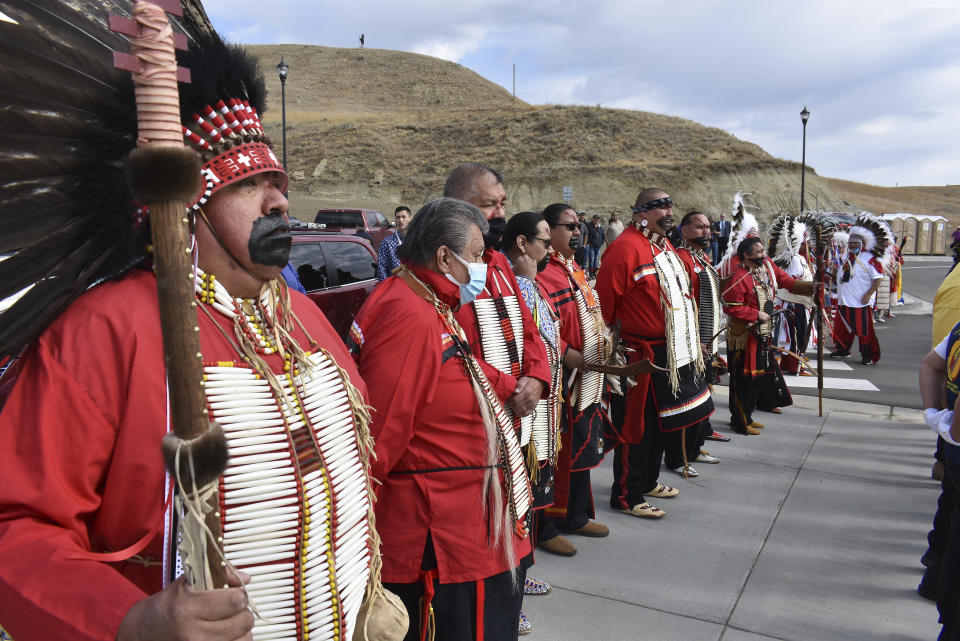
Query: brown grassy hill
[
  {"x": 937, "y": 201},
  {"x": 375, "y": 128}
]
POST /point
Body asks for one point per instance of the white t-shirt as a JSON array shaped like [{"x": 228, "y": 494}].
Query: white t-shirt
[
  {"x": 862, "y": 275},
  {"x": 941, "y": 348}
]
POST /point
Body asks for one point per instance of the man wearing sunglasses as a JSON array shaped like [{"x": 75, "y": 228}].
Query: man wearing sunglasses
[
  {"x": 581, "y": 443},
  {"x": 645, "y": 290}
]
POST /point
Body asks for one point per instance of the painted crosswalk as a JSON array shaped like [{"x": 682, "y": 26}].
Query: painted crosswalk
[
  {"x": 832, "y": 382},
  {"x": 835, "y": 375}
]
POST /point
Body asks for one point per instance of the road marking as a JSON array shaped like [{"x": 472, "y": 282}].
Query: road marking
[
  {"x": 830, "y": 382},
  {"x": 834, "y": 365}
]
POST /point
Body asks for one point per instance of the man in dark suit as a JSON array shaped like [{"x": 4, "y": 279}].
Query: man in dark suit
[{"x": 723, "y": 233}]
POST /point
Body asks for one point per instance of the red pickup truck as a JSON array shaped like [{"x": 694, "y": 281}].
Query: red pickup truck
[
  {"x": 337, "y": 270},
  {"x": 366, "y": 223}
]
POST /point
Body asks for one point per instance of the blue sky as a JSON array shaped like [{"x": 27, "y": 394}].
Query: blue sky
[{"x": 881, "y": 79}]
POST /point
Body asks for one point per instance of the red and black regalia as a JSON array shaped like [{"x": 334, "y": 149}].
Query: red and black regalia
[
  {"x": 88, "y": 477},
  {"x": 854, "y": 319},
  {"x": 646, "y": 291},
  {"x": 705, "y": 286},
  {"x": 585, "y": 421},
  {"x": 750, "y": 343},
  {"x": 500, "y": 331},
  {"x": 90, "y": 523},
  {"x": 542, "y": 442},
  {"x": 454, "y": 494}
]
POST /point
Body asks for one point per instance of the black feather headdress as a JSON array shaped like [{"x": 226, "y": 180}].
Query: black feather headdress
[
  {"x": 873, "y": 232},
  {"x": 67, "y": 216}
]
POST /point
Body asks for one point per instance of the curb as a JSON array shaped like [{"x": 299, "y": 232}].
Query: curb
[{"x": 835, "y": 406}]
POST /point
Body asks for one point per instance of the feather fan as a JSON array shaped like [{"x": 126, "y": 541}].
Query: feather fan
[{"x": 68, "y": 122}]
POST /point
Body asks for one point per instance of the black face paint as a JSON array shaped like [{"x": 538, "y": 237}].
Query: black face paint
[
  {"x": 542, "y": 265},
  {"x": 269, "y": 242},
  {"x": 492, "y": 237},
  {"x": 666, "y": 223},
  {"x": 703, "y": 241}
]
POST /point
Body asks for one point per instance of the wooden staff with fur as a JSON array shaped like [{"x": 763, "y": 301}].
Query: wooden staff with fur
[{"x": 165, "y": 176}]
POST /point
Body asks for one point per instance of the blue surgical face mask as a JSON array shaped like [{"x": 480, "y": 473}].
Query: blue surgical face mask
[{"x": 478, "y": 279}]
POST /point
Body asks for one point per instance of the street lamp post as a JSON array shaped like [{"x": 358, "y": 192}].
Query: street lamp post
[
  {"x": 282, "y": 69},
  {"x": 804, "y": 115}
]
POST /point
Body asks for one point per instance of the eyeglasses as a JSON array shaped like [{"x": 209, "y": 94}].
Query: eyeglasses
[
  {"x": 659, "y": 203},
  {"x": 546, "y": 241},
  {"x": 570, "y": 226}
]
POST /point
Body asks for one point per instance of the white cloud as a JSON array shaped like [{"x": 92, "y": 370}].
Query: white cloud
[
  {"x": 466, "y": 40},
  {"x": 881, "y": 78}
]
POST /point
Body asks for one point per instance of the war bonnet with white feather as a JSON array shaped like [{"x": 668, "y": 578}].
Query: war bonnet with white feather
[
  {"x": 787, "y": 235},
  {"x": 744, "y": 226},
  {"x": 875, "y": 234}
]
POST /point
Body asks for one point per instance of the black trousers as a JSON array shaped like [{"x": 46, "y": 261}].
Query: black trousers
[
  {"x": 579, "y": 508},
  {"x": 636, "y": 468},
  {"x": 940, "y": 533},
  {"x": 949, "y": 603},
  {"x": 673, "y": 444},
  {"x": 455, "y": 605},
  {"x": 744, "y": 392}
]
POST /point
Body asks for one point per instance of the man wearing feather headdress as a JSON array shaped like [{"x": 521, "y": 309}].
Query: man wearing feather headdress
[
  {"x": 788, "y": 248},
  {"x": 645, "y": 290},
  {"x": 92, "y": 546},
  {"x": 858, "y": 277}
]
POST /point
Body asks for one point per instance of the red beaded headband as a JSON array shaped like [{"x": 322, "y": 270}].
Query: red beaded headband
[{"x": 237, "y": 122}]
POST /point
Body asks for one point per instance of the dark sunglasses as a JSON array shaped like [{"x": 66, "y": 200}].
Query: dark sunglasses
[
  {"x": 659, "y": 203},
  {"x": 570, "y": 226},
  {"x": 545, "y": 241}
]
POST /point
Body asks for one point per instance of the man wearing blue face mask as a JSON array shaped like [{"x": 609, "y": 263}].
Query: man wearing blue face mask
[
  {"x": 454, "y": 494},
  {"x": 499, "y": 327}
]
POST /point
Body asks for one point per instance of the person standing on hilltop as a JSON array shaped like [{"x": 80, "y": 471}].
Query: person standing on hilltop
[
  {"x": 614, "y": 227},
  {"x": 387, "y": 259}
]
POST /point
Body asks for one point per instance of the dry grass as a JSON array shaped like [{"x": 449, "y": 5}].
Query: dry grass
[
  {"x": 936, "y": 201},
  {"x": 374, "y": 128}
]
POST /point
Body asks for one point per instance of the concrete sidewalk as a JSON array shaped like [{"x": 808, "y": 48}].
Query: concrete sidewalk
[{"x": 811, "y": 531}]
